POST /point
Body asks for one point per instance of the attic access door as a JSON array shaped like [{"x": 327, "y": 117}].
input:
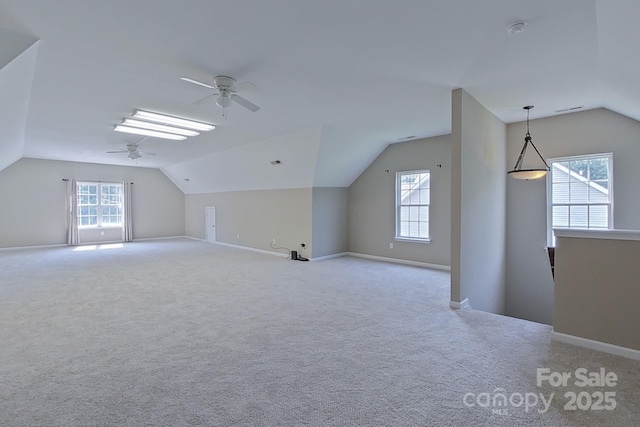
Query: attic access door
[{"x": 210, "y": 223}]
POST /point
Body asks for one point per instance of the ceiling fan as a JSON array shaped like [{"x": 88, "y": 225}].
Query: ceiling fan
[
  {"x": 226, "y": 90},
  {"x": 133, "y": 152}
]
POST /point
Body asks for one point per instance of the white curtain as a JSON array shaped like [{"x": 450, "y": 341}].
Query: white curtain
[
  {"x": 73, "y": 236},
  {"x": 127, "y": 222}
]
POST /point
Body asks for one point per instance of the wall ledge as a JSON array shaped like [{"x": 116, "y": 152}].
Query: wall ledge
[
  {"x": 604, "y": 347},
  {"x": 598, "y": 234}
]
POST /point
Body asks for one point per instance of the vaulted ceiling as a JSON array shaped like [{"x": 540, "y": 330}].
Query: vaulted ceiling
[{"x": 336, "y": 80}]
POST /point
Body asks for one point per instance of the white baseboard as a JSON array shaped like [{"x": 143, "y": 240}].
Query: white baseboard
[
  {"x": 629, "y": 353},
  {"x": 103, "y": 242},
  {"x": 14, "y": 248},
  {"x": 464, "y": 304},
  {"x": 158, "y": 238},
  {"x": 195, "y": 238},
  {"x": 400, "y": 261},
  {"x": 247, "y": 248},
  {"x": 322, "y": 258}
]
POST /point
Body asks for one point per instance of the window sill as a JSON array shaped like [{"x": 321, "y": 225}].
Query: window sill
[{"x": 412, "y": 240}]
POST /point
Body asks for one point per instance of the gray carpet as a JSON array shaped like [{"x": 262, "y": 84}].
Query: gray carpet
[{"x": 184, "y": 333}]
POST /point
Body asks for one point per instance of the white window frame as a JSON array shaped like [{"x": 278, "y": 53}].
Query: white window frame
[
  {"x": 100, "y": 221},
  {"x": 398, "y": 203},
  {"x": 550, "y": 204}
]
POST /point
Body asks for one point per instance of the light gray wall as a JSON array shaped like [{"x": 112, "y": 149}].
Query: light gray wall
[
  {"x": 597, "y": 290},
  {"x": 32, "y": 202},
  {"x": 256, "y": 216},
  {"x": 330, "y": 219},
  {"x": 529, "y": 292},
  {"x": 478, "y": 205},
  {"x": 372, "y": 202}
]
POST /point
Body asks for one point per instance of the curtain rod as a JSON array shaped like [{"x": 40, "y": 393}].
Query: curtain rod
[{"x": 67, "y": 179}]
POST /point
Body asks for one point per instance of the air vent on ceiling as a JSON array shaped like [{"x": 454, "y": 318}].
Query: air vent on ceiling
[
  {"x": 276, "y": 162},
  {"x": 406, "y": 138},
  {"x": 566, "y": 110}
]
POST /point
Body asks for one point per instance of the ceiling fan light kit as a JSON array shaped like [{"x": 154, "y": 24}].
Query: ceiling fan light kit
[
  {"x": 226, "y": 92},
  {"x": 223, "y": 100},
  {"x": 527, "y": 174},
  {"x": 132, "y": 152}
]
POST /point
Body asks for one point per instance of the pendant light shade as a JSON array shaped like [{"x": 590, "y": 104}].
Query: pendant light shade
[{"x": 520, "y": 173}]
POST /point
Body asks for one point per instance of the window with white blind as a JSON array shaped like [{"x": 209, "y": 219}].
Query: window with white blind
[
  {"x": 99, "y": 204},
  {"x": 580, "y": 193},
  {"x": 412, "y": 205}
]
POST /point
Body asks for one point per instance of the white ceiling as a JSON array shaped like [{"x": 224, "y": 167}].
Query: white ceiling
[{"x": 337, "y": 80}]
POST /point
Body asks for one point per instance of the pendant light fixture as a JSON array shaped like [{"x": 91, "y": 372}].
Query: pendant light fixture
[{"x": 517, "y": 171}]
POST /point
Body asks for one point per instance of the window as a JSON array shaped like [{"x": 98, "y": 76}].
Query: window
[
  {"x": 412, "y": 205},
  {"x": 580, "y": 193},
  {"x": 99, "y": 204}
]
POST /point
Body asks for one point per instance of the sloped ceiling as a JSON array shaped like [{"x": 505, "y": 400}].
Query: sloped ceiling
[
  {"x": 336, "y": 80},
  {"x": 17, "y": 66}
]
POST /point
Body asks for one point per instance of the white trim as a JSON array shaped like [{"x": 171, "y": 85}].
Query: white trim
[
  {"x": 322, "y": 258},
  {"x": 598, "y": 234},
  {"x": 398, "y": 205},
  {"x": 103, "y": 242},
  {"x": 400, "y": 261},
  {"x": 13, "y": 248},
  {"x": 464, "y": 304},
  {"x": 155, "y": 238},
  {"x": 610, "y": 204},
  {"x": 411, "y": 240},
  {"x": 247, "y": 248},
  {"x": 629, "y": 353},
  {"x": 195, "y": 238}
]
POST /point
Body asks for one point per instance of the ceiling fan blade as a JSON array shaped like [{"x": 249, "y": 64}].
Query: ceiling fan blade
[
  {"x": 187, "y": 79},
  {"x": 120, "y": 151},
  {"x": 205, "y": 99},
  {"x": 244, "y": 87},
  {"x": 246, "y": 104}
]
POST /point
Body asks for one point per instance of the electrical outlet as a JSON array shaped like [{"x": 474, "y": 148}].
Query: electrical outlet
[
  {"x": 102, "y": 233},
  {"x": 238, "y": 236},
  {"x": 390, "y": 245},
  {"x": 273, "y": 241}
]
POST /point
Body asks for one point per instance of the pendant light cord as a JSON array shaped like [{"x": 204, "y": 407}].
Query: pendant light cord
[
  {"x": 528, "y": 140},
  {"x": 531, "y": 141}
]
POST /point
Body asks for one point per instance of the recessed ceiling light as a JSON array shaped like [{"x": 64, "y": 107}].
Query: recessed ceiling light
[{"x": 516, "y": 27}]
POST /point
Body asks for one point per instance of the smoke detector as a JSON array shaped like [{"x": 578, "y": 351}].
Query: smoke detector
[{"x": 516, "y": 27}]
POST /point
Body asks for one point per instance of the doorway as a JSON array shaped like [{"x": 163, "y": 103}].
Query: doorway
[{"x": 210, "y": 224}]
